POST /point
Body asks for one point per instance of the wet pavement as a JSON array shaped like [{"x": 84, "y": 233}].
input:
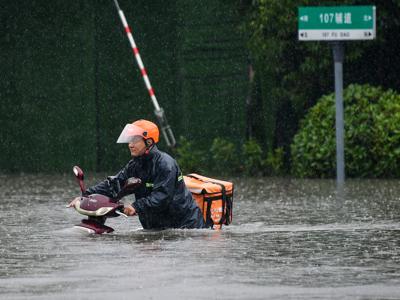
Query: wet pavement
[{"x": 290, "y": 239}]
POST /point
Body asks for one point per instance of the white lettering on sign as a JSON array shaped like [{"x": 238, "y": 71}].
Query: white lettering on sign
[
  {"x": 339, "y": 18},
  {"x": 304, "y": 18},
  {"x": 335, "y": 35},
  {"x": 336, "y": 23},
  {"x": 367, "y": 18},
  {"x": 347, "y": 18},
  {"x": 326, "y": 18}
]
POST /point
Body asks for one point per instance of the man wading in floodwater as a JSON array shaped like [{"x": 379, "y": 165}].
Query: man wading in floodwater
[{"x": 162, "y": 201}]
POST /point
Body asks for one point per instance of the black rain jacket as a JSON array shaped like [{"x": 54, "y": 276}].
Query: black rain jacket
[{"x": 162, "y": 200}]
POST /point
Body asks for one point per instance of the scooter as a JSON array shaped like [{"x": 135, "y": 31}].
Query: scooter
[{"x": 99, "y": 207}]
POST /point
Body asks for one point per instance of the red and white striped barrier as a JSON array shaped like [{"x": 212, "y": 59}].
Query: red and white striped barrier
[{"x": 159, "y": 112}]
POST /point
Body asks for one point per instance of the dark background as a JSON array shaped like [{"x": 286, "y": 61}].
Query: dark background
[{"x": 69, "y": 82}]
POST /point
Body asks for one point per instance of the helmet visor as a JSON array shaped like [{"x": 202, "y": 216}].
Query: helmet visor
[{"x": 131, "y": 133}]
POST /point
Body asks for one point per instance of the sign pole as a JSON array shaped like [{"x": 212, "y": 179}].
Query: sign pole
[
  {"x": 336, "y": 24},
  {"x": 338, "y": 55}
]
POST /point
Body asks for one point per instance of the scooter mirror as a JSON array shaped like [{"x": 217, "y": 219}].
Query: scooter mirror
[
  {"x": 132, "y": 183},
  {"x": 78, "y": 172},
  {"x": 79, "y": 176}
]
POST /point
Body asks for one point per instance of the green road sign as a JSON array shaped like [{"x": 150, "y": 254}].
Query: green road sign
[{"x": 336, "y": 23}]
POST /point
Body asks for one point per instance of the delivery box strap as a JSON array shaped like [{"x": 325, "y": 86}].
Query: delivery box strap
[{"x": 223, "y": 192}]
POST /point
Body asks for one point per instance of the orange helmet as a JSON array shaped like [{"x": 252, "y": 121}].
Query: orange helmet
[{"x": 142, "y": 128}]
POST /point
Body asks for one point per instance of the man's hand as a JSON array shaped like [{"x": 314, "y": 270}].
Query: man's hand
[
  {"x": 129, "y": 210},
  {"x": 72, "y": 203}
]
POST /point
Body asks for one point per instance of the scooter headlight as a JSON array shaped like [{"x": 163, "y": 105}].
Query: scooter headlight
[{"x": 103, "y": 211}]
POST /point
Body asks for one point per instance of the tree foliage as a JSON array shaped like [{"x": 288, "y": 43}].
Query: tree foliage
[
  {"x": 372, "y": 135},
  {"x": 292, "y": 75}
]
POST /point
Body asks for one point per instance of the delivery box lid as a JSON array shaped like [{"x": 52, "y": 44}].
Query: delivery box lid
[{"x": 198, "y": 184}]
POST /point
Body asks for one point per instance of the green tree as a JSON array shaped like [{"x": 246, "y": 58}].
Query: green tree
[
  {"x": 372, "y": 135},
  {"x": 293, "y": 74}
]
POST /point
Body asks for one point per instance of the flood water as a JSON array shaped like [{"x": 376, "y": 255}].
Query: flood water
[{"x": 290, "y": 239}]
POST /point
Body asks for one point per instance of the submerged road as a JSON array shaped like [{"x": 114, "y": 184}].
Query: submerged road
[{"x": 290, "y": 239}]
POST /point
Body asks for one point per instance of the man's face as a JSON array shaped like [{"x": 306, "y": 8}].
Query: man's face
[{"x": 137, "y": 147}]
